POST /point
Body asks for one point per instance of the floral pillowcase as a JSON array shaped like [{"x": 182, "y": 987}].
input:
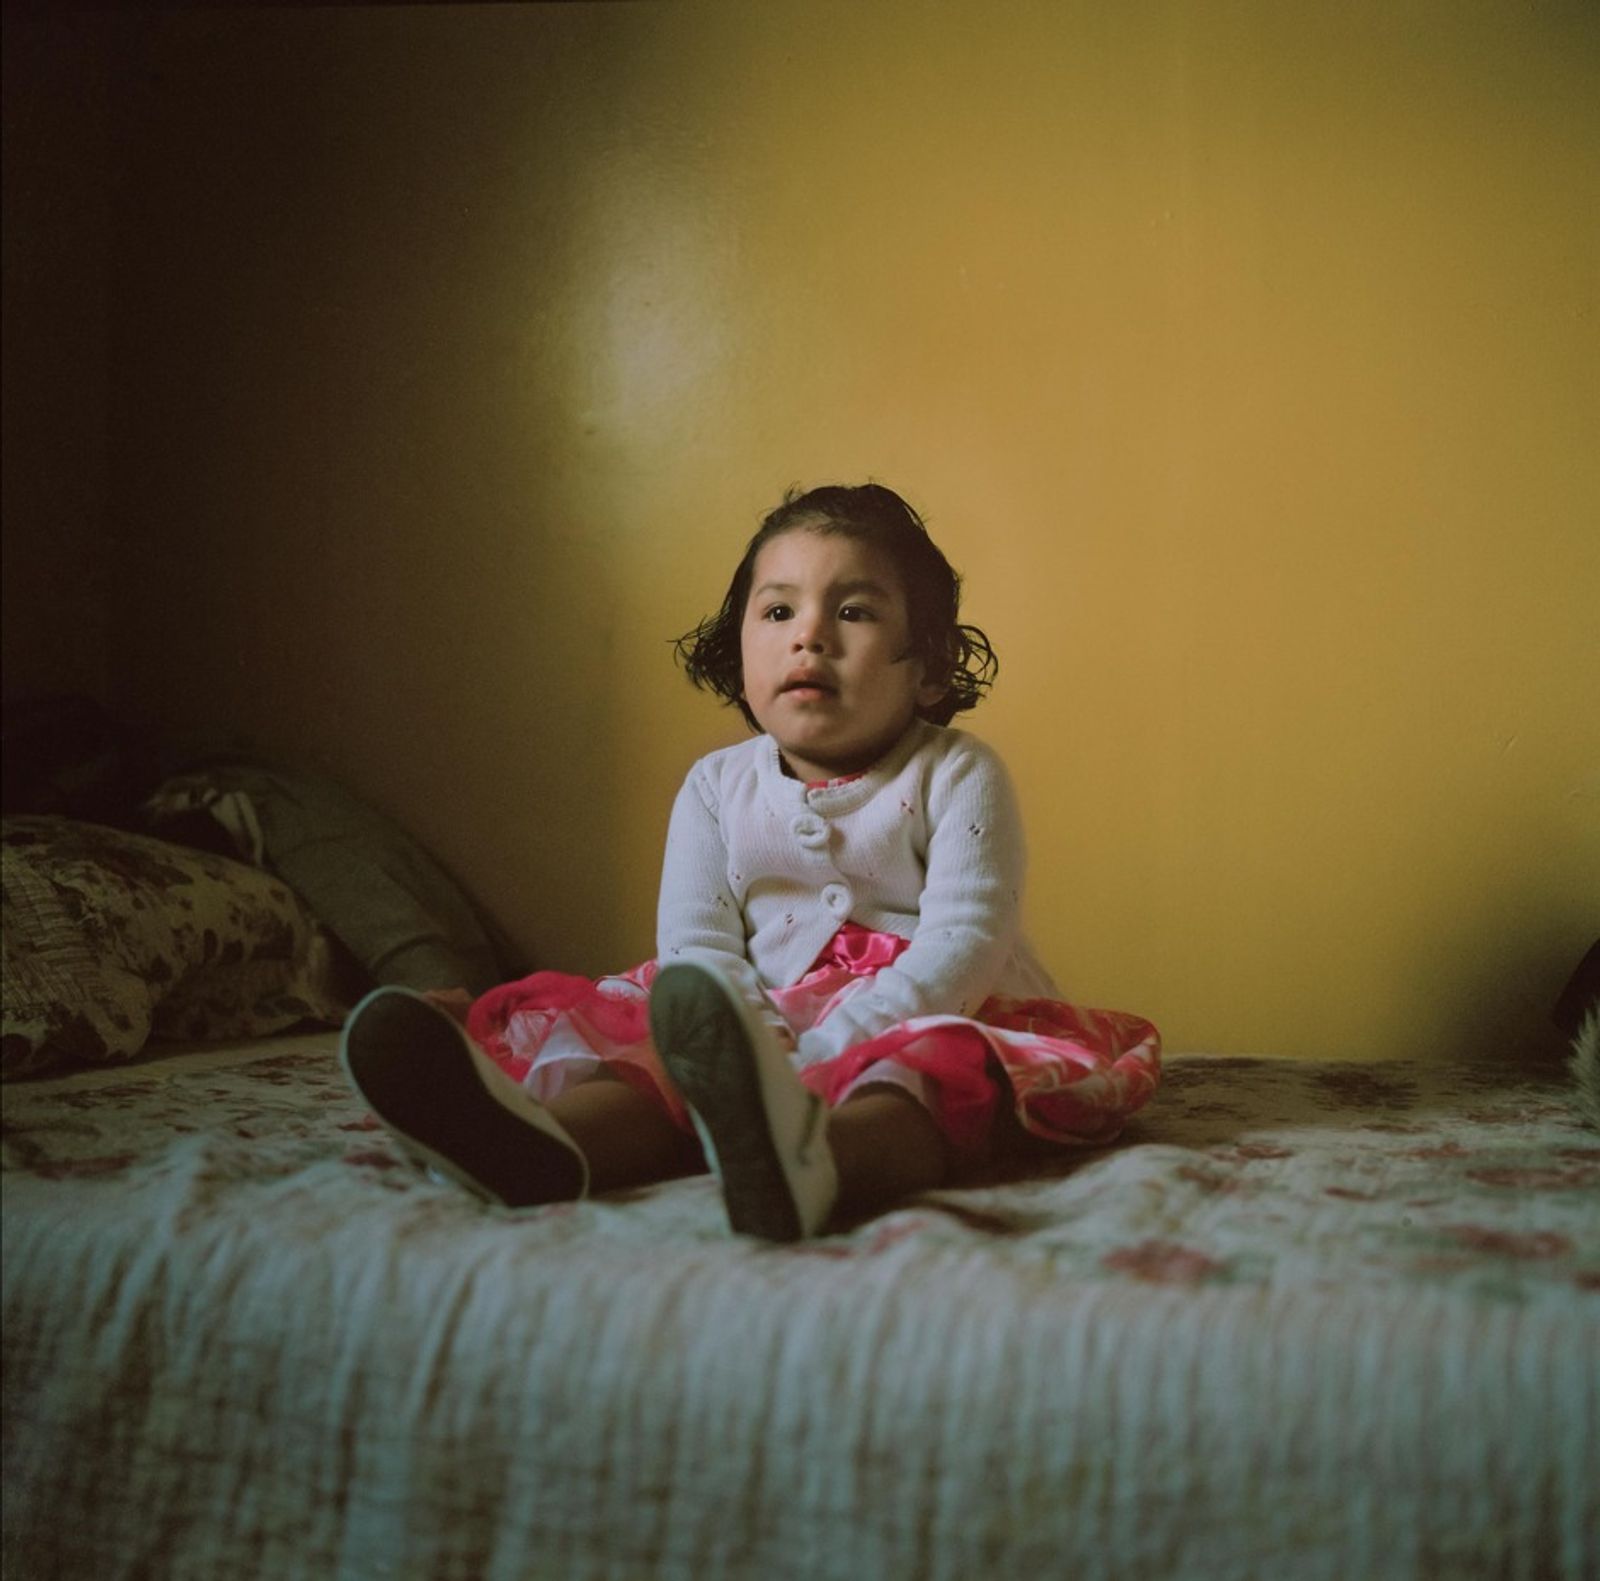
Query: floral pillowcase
[{"x": 113, "y": 939}]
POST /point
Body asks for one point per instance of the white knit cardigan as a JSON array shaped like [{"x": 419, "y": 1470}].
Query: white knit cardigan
[{"x": 761, "y": 872}]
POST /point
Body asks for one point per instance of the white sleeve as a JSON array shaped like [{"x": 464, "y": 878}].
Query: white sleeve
[
  {"x": 969, "y": 917},
  {"x": 697, "y": 917}
]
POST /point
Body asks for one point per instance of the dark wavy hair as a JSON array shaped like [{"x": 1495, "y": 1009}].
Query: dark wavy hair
[{"x": 959, "y": 658}]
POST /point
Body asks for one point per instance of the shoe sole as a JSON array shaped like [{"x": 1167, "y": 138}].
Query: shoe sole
[
  {"x": 706, "y": 1047},
  {"x": 411, "y": 1064}
]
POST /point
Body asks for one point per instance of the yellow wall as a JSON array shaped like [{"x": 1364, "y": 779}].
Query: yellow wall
[{"x": 1244, "y": 358}]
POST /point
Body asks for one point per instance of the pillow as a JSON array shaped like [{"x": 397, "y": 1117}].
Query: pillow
[
  {"x": 376, "y": 889},
  {"x": 112, "y": 939}
]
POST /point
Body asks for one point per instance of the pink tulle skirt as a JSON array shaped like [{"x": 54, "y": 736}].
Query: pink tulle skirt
[{"x": 1071, "y": 1075}]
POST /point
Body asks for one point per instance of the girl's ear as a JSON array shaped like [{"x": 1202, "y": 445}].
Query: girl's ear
[{"x": 930, "y": 693}]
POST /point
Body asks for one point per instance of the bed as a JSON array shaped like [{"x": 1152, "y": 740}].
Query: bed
[
  {"x": 1306, "y": 1320},
  {"x": 1335, "y": 1319}
]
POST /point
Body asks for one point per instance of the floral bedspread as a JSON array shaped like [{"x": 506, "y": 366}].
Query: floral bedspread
[
  {"x": 1246, "y": 1171},
  {"x": 1319, "y": 1319}
]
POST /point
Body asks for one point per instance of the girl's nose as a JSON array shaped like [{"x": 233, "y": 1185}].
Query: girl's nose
[{"x": 806, "y": 635}]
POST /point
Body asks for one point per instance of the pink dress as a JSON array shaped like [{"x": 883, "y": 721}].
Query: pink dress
[{"x": 1072, "y": 1075}]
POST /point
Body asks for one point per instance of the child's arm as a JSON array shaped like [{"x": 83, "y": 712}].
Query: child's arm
[
  {"x": 969, "y": 921},
  {"x": 697, "y": 917}
]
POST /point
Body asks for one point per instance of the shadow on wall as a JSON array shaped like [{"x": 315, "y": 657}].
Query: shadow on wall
[
  {"x": 1514, "y": 1011},
  {"x": 57, "y": 583},
  {"x": 344, "y": 447}
]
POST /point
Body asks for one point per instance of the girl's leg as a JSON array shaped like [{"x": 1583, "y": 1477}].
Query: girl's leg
[
  {"x": 624, "y": 1133},
  {"x": 886, "y": 1146},
  {"x": 785, "y": 1160}
]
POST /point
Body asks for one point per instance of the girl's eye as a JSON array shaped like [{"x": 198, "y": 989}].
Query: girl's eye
[
  {"x": 776, "y": 612},
  {"x": 856, "y": 612}
]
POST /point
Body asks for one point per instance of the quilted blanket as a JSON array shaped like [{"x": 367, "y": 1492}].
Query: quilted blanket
[{"x": 1304, "y": 1320}]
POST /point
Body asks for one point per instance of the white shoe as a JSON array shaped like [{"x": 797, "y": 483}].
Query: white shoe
[
  {"x": 452, "y": 1108},
  {"x": 764, "y": 1131}
]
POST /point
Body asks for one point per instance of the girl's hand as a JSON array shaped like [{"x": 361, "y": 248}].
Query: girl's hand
[{"x": 455, "y": 1002}]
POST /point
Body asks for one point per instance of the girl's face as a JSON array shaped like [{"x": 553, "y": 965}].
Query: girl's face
[{"x": 824, "y": 645}]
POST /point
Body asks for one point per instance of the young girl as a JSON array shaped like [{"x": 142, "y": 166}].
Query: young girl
[{"x": 842, "y": 998}]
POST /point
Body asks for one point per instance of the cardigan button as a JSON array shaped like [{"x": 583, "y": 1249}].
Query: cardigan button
[
  {"x": 837, "y": 898},
  {"x": 810, "y": 830}
]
